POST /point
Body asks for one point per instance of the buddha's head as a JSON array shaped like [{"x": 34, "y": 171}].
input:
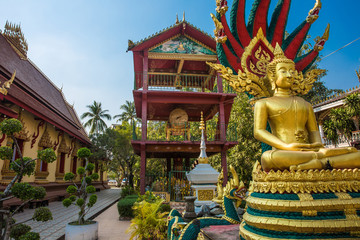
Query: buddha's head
[{"x": 280, "y": 71}]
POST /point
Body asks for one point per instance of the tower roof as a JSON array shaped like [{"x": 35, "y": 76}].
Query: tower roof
[{"x": 180, "y": 28}]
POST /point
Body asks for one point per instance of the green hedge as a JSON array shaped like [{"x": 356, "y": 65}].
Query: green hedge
[
  {"x": 126, "y": 191},
  {"x": 125, "y": 206}
]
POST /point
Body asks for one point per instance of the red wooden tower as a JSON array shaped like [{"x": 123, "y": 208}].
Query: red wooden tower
[{"x": 173, "y": 83}]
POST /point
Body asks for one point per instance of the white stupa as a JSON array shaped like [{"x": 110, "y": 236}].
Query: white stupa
[{"x": 203, "y": 177}]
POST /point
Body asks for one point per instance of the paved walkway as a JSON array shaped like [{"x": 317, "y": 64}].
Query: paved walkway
[
  {"x": 52, "y": 230},
  {"x": 110, "y": 228}
]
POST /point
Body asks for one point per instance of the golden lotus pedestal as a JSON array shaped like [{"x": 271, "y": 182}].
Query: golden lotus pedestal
[{"x": 308, "y": 204}]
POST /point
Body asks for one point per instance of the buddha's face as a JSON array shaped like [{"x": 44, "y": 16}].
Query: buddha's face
[{"x": 284, "y": 75}]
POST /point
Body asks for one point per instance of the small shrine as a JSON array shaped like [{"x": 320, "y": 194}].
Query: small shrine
[{"x": 203, "y": 177}]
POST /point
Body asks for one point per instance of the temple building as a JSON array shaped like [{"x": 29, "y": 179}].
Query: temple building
[
  {"x": 49, "y": 121},
  {"x": 172, "y": 86},
  {"x": 322, "y": 110}
]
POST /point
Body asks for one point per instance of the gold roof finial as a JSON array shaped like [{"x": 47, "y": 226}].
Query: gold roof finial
[
  {"x": 203, "y": 158},
  {"x": 14, "y": 35},
  {"x": 202, "y": 125},
  {"x": 177, "y": 19},
  {"x": 183, "y": 16}
]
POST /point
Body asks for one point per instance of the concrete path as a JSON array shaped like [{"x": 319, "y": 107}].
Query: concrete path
[
  {"x": 110, "y": 228},
  {"x": 52, "y": 230}
]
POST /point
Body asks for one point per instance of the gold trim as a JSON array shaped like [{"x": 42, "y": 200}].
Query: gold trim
[
  {"x": 307, "y": 181},
  {"x": 205, "y": 195},
  {"x": 302, "y": 226},
  {"x": 321, "y": 205},
  {"x": 177, "y": 56},
  {"x": 248, "y": 50},
  {"x": 252, "y": 236}
]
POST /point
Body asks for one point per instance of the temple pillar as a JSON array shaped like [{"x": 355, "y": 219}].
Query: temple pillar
[
  {"x": 145, "y": 70},
  {"x": 187, "y": 164},
  {"x": 168, "y": 166},
  {"x": 322, "y": 134},
  {"x": 142, "y": 169},
  {"x": 224, "y": 166},
  {"x": 222, "y": 121},
  {"x": 219, "y": 83}
]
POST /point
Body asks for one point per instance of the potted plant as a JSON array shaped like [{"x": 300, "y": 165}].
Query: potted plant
[
  {"x": 16, "y": 189},
  {"x": 82, "y": 229}
]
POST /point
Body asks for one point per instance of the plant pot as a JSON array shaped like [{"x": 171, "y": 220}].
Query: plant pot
[{"x": 82, "y": 232}]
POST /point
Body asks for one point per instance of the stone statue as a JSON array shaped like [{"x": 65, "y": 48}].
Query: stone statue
[{"x": 294, "y": 136}]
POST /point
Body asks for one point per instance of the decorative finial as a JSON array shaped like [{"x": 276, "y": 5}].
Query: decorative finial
[
  {"x": 183, "y": 16},
  {"x": 131, "y": 44},
  {"x": 278, "y": 52},
  {"x": 358, "y": 74},
  {"x": 7, "y": 84},
  {"x": 177, "y": 19},
  {"x": 203, "y": 158},
  {"x": 202, "y": 125},
  {"x": 13, "y": 34}
]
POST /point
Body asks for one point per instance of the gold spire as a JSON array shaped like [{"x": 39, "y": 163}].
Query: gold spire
[
  {"x": 203, "y": 158},
  {"x": 177, "y": 19}
]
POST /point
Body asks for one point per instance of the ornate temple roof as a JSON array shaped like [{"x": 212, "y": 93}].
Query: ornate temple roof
[
  {"x": 180, "y": 27},
  {"x": 336, "y": 97},
  {"x": 33, "y": 91}
]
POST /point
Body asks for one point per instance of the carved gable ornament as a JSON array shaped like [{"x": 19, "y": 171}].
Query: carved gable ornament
[
  {"x": 183, "y": 45},
  {"x": 63, "y": 148},
  {"x": 45, "y": 140}
]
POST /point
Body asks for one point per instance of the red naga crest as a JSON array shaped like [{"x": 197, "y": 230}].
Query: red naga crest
[{"x": 251, "y": 46}]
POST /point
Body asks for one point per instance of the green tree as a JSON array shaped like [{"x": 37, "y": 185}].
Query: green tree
[
  {"x": 96, "y": 115},
  {"x": 352, "y": 107},
  {"x": 330, "y": 131},
  {"x": 125, "y": 153},
  {"x": 248, "y": 150},
  {"x": 114, "y": 145},
  {"x": 16, "y": 189},
  {"x": 342, "y": 122}
]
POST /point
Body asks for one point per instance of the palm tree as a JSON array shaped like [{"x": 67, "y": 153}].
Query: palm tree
[
  {"x": 128, "y": 114},
  {"x": 96, "y": 115},
  {"x": 352, "y": 107}
]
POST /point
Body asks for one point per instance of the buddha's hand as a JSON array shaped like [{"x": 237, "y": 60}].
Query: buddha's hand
[
  {"x": 316, "y": 145},
  {"x": 300, "y": 147}
]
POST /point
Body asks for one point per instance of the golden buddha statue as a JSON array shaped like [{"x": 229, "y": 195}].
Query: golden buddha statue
[{"x": 294, "y": 136}]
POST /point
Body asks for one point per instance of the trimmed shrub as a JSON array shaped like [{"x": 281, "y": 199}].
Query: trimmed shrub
[
  {"x": 30, "y": 236},
  {"x": 125, "y": 207},
  {"x": 18, "y": 230}
]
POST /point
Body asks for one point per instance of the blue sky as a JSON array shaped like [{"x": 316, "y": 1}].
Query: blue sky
[{"x": 81, "y": 44}]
